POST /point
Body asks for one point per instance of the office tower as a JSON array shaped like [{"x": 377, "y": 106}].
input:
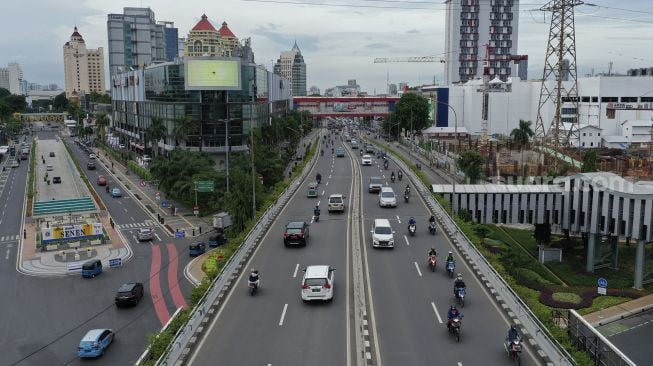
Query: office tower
[
  {"x": 83, "y": 67},
  {"x": 291, "y": 66},
  {"x": 171, "y": 35}
]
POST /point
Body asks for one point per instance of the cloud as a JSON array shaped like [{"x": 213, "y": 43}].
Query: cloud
[
  {"x": 413, "y": 31},
  {"x": 377, "y": 46}
]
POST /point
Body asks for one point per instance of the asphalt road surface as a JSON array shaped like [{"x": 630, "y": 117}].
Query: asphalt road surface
[{"x": 632, "y": 336}]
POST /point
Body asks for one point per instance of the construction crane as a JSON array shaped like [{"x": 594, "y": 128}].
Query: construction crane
[{"x": 385, "y": 60}]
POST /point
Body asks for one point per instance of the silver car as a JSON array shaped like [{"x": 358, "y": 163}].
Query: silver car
[
  {"x": 387, "y": 197},
  {"x": 144, "y": 234}
]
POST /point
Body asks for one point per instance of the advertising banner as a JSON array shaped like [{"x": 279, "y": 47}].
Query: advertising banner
[{"x": 68, "y": 233}]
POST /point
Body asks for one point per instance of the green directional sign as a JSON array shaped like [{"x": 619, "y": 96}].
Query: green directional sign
[{"x": 204, "y": 186}]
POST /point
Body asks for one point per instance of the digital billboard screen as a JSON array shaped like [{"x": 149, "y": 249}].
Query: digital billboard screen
[{"x": 212, "y": 73}]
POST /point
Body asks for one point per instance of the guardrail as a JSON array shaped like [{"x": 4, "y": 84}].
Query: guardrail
[
  {"x": 189, "y": 336},
  {"x": 585, "y": 337},
  {"x": 539, "y": 337}
]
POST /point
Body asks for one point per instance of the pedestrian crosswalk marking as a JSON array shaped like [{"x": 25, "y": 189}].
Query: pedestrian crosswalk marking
[
  {"x": 9, "y": 238},
  {"x": 134, "y": 225}
]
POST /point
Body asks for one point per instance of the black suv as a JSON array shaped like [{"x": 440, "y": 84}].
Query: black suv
[
  {"x": 296, "y": 233},
  {"x": 129, "y": 294}
]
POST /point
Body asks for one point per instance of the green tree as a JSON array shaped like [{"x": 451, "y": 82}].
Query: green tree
[
  {"x": 521, "y": 136},
  {"x": 60, "y": 103},
  {"x": 16, "y": 103},
  {"x": 471, "y": 163},
  {"x": 542, "y": 234},
  {"x": 411, "y": 112},
  {"x": 184, "y": 127},
  {"x": 4, "y": 92},
  {"x": 589, "y": 162},
  {"x": 155, "y": 132},
  {"x": 101, "y": 121},
  {"x": 101, "y": 98}
]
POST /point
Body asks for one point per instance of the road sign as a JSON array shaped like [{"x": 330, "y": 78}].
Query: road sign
[
  {"x": 602, "y": 290},
  {"x": 603, "y": 282},
  {"x": 115, "y": 262},
  {"x": 204, "y": 186},
  {"x": 180, "y": 234},
  {"x": 164, "y": 204}
]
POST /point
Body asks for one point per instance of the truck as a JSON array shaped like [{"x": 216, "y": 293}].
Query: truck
[{"x": 24, "y": 154}]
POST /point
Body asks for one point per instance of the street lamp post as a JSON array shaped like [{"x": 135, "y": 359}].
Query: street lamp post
[{"x": 455, "y": 162}]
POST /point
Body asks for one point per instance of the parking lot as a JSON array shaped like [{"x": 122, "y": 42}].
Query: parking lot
[{"x": 60, "y": 166}]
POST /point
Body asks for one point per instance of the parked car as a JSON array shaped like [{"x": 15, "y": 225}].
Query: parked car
[
  {"x": 101, "y": 181},
  {"x": 196, "y": 249},
  {"x": 144, "y": 233},
  {"x": 317, "y": 283},
  {"x": 147, "y": 159},
  {"x": 115, "y": 192},
  {"x": 95, "y": 342},
  {"x": 129, "y": 294},
  {"x": 214, "y": 241},
  {"x": 296, "y": 233}
]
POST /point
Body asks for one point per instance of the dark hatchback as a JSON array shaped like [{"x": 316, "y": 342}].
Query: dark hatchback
[
  {"x": 296, "y": 233},
  {"x": 129, "y": 294}
]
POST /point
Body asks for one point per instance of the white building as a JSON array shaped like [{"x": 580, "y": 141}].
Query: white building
[
  {"x": 11, "y": 78},
  {"x": 637, "y": 132},
  {"x": 291, "y": 65},
  {"x": 83, "y": 67},
  {"x": 604, "y": 102},
  {"x": 470, "y": 25},
  {"x": 589, "y": 136}
]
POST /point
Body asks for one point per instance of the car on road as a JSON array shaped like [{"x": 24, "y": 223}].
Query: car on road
[
  {"x": 382, "y": 234},
  {"x": 336, "y": 203},
  {"x": 51, "y": 154},
  {"x": 115, "y": 192},
  {"x": 145, "y": 233},
  {"x": 312, "y": 190},
  {"x": 296, "y": 233},
  {"x": 92, "y": 156},
  {"x": 215, "y": 241},
  {"x": 196, "y": 249},
  {"x": 387, "y": 197},
  {"x": 90, "y": 165},
  {"x": 366, "y": 160},
  {"x": 340, "y": 152},
  {"x": 369, "y": 149},
  {"x": 15, "y": 163},
  {"x": 317, "y": 283},
  {"x": 101, "y": 181},
  {"x": 91, "y": 268},
  {"x": 95, "y": 342},
  {"x": 129, "y": 294},
  {"x": 375, "y": 185},
  {"x": 56, "y": 180},
  {"x": 49, "y": 168}
]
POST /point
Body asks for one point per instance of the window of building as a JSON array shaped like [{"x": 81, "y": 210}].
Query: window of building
[
  {"x": 568, "y": 111},
  {"x": 595, "y": 99},
  {"x": 628, "y": 99},
  {"x": 591, "y": 144},
  {"x": 646, "y": 99},
  {"x": 609, "y": 99},
  {"x": 585, "y": 99},
  {"x": 583, "y": 144}
]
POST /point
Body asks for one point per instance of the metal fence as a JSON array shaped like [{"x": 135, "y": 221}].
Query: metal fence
[{"x": 586, "y": 338}]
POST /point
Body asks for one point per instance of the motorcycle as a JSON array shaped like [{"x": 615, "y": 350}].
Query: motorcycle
[
  {"x": 433, "y": 261},
  {"x": 432, "y": 228},
  {"x": 400, "y": 176},
  {"x": 454, "y": 329},
  {"x": 316, "y": 216},
  {"x": 253, "y": 286},
  {"x": 385, "y": 165},
  {"x": 514, "y": 350},
  {"x": 411, "y": 229},
  {"x": 451, "y": 266},
  {"x": 406, "y": 197},
  {"x": 460, "y": 295},
  {"x": 392, "y": 178},
  {"x": 322, "y": 152}
]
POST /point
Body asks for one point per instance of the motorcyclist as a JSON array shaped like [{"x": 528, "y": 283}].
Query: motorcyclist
[
  {"x": 458, "y": 283},
  {"x": 331, "y": 151},
  {"x": 412, "y": 221},
  {"x": 452, "y": 314},
  {"x": 316, "y": 211},
  {"x": 253, "y": 276},
  {"x": 432, "y": 219},
  {"x": 322, "y": 152},
  {"x": 513, "y": 334},
  {"x": 407, "y": 190},
  {"x": 400, "y": 175},
  {"x": 318, "y": 178},
  {"x": 432, "y": 251},
  {"x": 392, "y": 176},
  {"x": 449, "y": 257}
]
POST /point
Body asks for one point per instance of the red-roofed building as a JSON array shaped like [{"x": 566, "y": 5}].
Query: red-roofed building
[{"x": 205, "y": 40}]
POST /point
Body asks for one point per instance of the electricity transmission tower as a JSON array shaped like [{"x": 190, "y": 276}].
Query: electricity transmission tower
[{"x": 560, "y": 64}]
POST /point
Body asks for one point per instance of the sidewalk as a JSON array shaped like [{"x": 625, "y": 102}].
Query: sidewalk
[
  {"x": 301, "y": 149},
  {"x": 153, "y": 201},
  {"x": 620, "y": 311}
]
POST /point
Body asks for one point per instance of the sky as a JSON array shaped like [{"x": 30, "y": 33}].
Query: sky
[{"x": 339, "y": 39}]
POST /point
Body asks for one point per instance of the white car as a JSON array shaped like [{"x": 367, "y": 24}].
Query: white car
[
  {"x": 317, "y": 283},
  {"x": 382, "y": 234},
  {"x": 91, "y": 156},
  {"x": 336, "y": 203},
  {"x": 366, "y": 160},
  {"x": 387, "y": 197},
  {"x": 147, "y": 159}
]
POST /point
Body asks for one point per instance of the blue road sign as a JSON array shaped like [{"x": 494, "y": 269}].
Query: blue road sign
[
  {"x": 164, "y": 204},
  {"x": 603, "y": 282},
  {"x": 180, "y": 234},
  {"x": 115, "y": 262}
]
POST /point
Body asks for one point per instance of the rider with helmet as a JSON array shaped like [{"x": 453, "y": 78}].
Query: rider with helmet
[
  {"x": 412, "y": 221},
  {"x": 318, "y": 178},
  {"x": 432, "y": 252},
  {"x": 316, "y": 211},
  {"x": 513, "y": 334},
  {"x": 449, "y": 257},
  {"x": 452, "y": 314},
  {"x": 253, "y": 275},
  {"x": 392, "y": 176},
  {"x": 458, "y": 283}
]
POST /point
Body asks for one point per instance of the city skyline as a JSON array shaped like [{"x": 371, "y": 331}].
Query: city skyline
[{"x": 338, "y": 42}]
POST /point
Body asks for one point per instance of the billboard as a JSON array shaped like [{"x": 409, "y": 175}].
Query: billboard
[
  {"x": 212, "y": 73},
  {"x": 66, "y": 233}
]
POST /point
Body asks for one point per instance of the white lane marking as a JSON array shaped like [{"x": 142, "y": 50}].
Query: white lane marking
[
  {"x": 269, "y": 364},
  {"x": 323, "y": 193},
  {"x": 329, "y": 176},
  {"x": 132, "y": 218},
  {"x": 7, "y": 256},
  {"x": 157, "y": 237},
  {"x": 294, "y": 274},
  {"x": 398, "y": 219},
  {"x": 327, "y": 183},
  {"x": 460, "y": 364},
  {"x": 318, "y": 202},
  {"x": 312, "y": 219},
  {"x": 125, "y": 209},
  {"x": 418, "y": 271},
  {"x": 283, "y": 314},
  {"x": 435, "y": 310},
  {"x": 406, "y": 239}
]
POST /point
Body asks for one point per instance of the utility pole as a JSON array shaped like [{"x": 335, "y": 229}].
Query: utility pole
[{"x": 561, "y": 45}]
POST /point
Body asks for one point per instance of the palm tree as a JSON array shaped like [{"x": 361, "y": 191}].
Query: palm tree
[
  {"x": 521, "y": 136},
  {"x": 184, "y": 126},
  {"x": 101, "y": 122},
  {"x": 155, "y": 132}
]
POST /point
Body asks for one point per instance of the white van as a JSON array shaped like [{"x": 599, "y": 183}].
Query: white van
[
  {"x": 382, "y": 234},
  {"x": 317, "y": 283}
]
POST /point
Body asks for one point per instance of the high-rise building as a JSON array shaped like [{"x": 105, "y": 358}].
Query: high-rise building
[
  {"x": 181, "y": 47},
  {"x": 392, "y": 89},
  {"x": 474, "y": 26},
  {"x": 11, "y": 78},
  {"x": 83, "y": 67},
  {"x": 291, "y": 66},
  {"x": 171, "y": 35},
  {"x": 314, "y": 90},
  {"x": 135, "y": 40},
  {"x": 205, "y": 40}
]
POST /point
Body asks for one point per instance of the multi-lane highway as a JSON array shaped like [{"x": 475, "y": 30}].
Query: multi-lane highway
[
  {"x": 407, "y": 303},
  {"x": 43, "y": 319}
]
